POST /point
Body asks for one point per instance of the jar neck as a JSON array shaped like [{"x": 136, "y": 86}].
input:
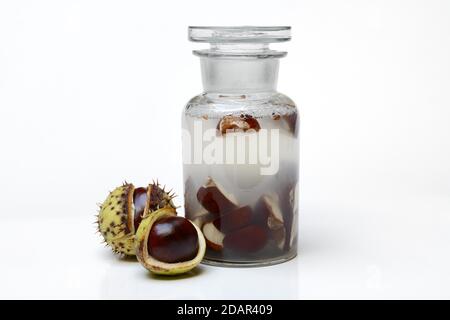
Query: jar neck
[{"x": 239, "y": 75}]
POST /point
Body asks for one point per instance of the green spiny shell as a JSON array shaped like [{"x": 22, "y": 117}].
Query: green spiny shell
[
  {"x": 115, "y": 220},
  {"x": 116, "y": 216},
  {"x": 158, "y": 198}
]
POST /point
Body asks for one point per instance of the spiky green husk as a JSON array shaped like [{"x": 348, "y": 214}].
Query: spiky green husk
[
  {"x": 116, "y": 216},
  {"x": 157, "y": 266},
  {"x": 115, "y": 221},
  {"x": 158, "y": 198}
]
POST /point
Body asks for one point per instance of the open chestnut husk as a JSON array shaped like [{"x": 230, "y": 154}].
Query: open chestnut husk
[
  {"x": 169, "y": 245},
  {"x": 122, "y": 212}
]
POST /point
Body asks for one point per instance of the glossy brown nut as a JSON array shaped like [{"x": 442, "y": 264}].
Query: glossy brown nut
[
  {"x": 246, "y": 240},
  {"x": 261, "y": 214},
  {"x": 214, "y": 199},
  {"x": 237, "y": 124},
  {"x": 234, "y": 219},
  {"x": 139, "y": 201},
  {"x": 173, "y": 239}
]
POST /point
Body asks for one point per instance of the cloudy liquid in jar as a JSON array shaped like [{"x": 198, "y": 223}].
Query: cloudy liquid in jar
[{"x": 241, "y": 183}]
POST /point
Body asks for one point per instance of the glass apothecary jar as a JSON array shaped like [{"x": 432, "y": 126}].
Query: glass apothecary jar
[{"x": 241, "y": 149}]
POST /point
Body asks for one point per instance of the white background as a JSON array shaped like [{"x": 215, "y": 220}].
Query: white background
[{"x": 91, "y": 94}]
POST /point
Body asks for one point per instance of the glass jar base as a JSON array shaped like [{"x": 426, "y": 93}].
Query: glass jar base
[{"x": 249, "y": 264}]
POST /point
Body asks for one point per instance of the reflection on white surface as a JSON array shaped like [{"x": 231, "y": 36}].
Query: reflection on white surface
[
  {"x": 346, "y": 251},
  {"x": 63, "y": 258},
  {"x": 127, "y": 279}
]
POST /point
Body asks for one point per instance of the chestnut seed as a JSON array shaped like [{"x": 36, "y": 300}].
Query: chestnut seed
[
  {"x": 173, "y": 239},
  {"x": 234, "y": 219},
  {"x": 246, "y": 240},
  {"x": 139, "y": 199},
  {"x": 242, "y": 123},
  {"x": 215, "y": 199},
  {"x": 251, "y": 122}
]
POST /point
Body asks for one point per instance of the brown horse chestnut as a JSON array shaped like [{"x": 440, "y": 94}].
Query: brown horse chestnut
[
  {"x": 167, "y": 244},
  {"x": 173, "y": 239}
]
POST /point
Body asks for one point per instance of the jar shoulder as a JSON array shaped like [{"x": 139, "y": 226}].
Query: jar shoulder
[{"x": 259, "y": 104}]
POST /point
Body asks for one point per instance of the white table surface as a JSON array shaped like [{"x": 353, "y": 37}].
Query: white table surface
[{"x": 343, "y": 254}]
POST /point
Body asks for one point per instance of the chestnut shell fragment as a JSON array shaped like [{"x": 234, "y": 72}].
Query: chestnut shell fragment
[{"x": 139, "y": 200}]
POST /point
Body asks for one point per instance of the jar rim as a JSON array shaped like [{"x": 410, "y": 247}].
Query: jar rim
[{"x": 239, "y": 34}]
